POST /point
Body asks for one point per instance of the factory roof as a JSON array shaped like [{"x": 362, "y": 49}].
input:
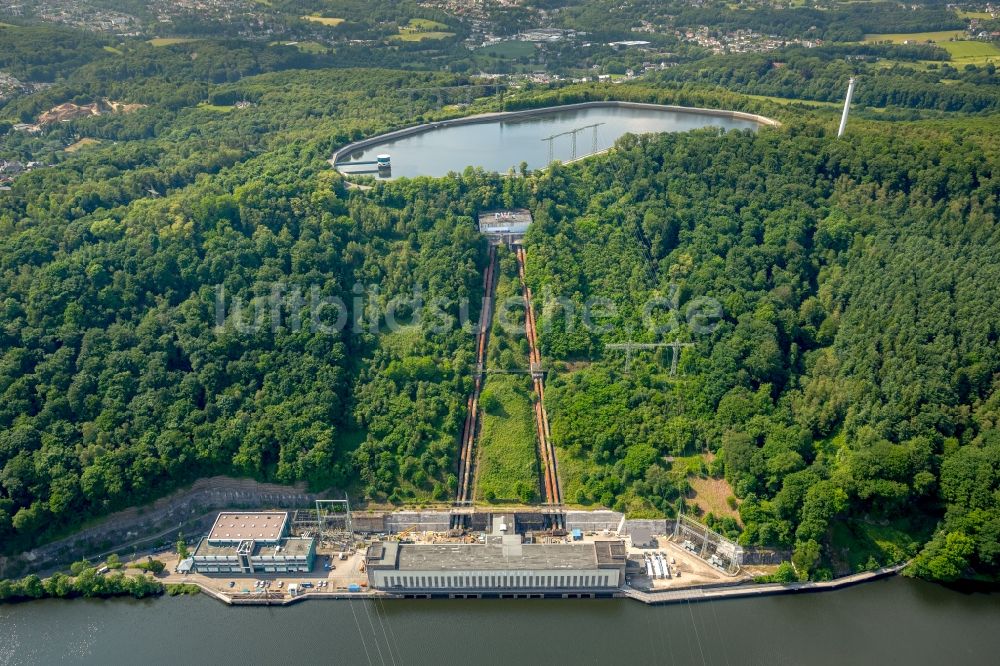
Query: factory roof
[
  {"x": 290, "y": 547},
  {"x": 205, "y": 548},
  {"x": 492, "y": 557},
  {"x": 236, "y": 526},
  {"x": 641, "y": 534},
  {"x": 287, "y": 547},
  {"x": 611, "y": 552}
]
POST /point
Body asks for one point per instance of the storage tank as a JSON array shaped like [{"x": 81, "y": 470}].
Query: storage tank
[
  {"x": 664, "y": 565},
  {"x": 658, "y": 567}
]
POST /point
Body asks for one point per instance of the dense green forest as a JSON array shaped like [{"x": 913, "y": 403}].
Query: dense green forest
[
  {"x": 120, "y": 384},
  {"x": 171, "y": 289},
  {"x": 848, "y": 383},
  {"x": 85, "y": 582},
  {"x": 819, "y": 74}
]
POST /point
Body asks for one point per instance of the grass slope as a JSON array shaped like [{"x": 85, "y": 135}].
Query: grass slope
[
  {"x": 418, "y": 30},
  {"x": 900, "y": 37},
  {"x": 425, "y": 24},
  {"x": 572, "y": 472},
  {"x": 962, "y": 51},
  {"x": 82, "y": 143},
  {"x": 508, "y": 462},
  {"x": 420, "y": 36},
  {"x": 170, "y": 41},
  {"x": 324, "y": 20},
  {"x": 972, "y": 53}
]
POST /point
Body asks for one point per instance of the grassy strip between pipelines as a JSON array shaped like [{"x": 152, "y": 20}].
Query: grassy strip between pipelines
[{"x": 508, "y": 458}]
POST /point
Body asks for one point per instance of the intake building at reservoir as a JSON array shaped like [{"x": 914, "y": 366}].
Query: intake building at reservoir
[
  {"x": 505, "y": 225},
  {"x": 501, "y": 565}
]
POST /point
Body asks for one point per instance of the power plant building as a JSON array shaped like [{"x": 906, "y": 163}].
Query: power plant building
[
  {"x": 502, "y": 564},
  {"x": 253, "y": 542},
  {"x": 505, "y": 225}
]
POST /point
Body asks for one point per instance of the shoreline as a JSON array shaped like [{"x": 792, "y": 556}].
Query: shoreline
[
  {"x": 493, "y": 116},
  {"x": 688, "y": 594},
  {"x": 712, "y": 593}
]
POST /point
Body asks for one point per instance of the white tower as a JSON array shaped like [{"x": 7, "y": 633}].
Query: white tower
[{"x": 847, "y": 108}]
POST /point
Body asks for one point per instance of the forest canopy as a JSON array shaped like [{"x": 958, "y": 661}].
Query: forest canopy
[{"x": 169, "y": 278}]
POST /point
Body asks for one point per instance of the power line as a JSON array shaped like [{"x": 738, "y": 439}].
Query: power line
[
  {"x": 361, "y": 634},
  {"x": 378, "y": 648},
  {"x": 573, "y": 132},
  {"x": 385, "y": 634},
  {"x": 392, "y": 632}
]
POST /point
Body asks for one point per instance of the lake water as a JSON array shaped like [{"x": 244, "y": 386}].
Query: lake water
[
  {"x": 895, "y": 621},
  {"x": 498, "y": 146}
]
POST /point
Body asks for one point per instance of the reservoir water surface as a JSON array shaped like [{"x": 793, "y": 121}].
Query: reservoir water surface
[{"x": 501, "y": 144}]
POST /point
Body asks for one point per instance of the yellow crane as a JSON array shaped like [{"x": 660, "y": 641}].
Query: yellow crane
[{"x": 405, "y": 533}]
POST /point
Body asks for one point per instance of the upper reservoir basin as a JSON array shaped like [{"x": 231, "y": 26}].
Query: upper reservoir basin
[{"x": 497, "y": 142}]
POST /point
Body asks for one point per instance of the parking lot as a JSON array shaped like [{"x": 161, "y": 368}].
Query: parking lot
[{"x": 340, "y": 575}]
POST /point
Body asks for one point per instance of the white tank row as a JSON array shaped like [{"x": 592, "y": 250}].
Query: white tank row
[{"x": 657, "y": 566}]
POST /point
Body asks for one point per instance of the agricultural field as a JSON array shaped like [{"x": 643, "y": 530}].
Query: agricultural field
[
  {"x": 787, "y": 100},
  {"x": 917, "y": 65},
  {"x": 420, "y": 36},
  {"x": 169, "y": 41},
  {"x": 962, "y": 51},
  {"x": 507, "y": 468},
  {"x": 418, "y": 30},
  {"x": 972, "y": 53},
  {"x": 324, "y": 20},
  {"x": 425, "y": 24},
  {"x": 917, "y": 37},
  {"x": 985, "y": 16}
]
